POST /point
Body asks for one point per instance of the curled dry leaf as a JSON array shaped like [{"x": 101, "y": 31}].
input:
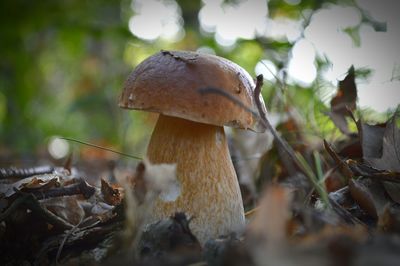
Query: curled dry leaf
[
  {"x": 37, "y": 183},
  {"x": 381, "y": 150},
  {"x": 390, "y": 159},
  {"x": 101, "y": 203},
  {"x": 66, "y": 208},
  {"x": 350, "y": 147},
  {"x": 30, "y": 184},
  {"x": 344, "y": 100},
  {"x": 111, "y": 195},
  {"x": 370, "y": 195}
]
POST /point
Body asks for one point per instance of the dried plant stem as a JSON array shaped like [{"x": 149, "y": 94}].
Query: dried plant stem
[
  {"x": 102, "y": 148},
  {"x": 281, "y": 143}
]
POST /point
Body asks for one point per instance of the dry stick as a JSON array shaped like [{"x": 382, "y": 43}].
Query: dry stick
[
  {"x": 24, "y": 172},
  {"x": 67, "y": 234},
  {"x": 81, "y": 187},
  {"x": 33, "y": 204},
  {"x": 79, "y": 238},
  {"x": 279, "y": 141}
]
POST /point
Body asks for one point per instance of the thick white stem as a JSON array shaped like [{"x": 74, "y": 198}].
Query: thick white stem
[{"x": 209, "y": 188}]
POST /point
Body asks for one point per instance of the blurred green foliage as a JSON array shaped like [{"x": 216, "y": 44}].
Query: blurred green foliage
[{"x": 63, "y": 64}]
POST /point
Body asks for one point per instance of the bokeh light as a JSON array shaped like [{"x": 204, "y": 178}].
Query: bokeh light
[
  {"x": 155, "y": 18},
  {"x": 58, "y": 148}
]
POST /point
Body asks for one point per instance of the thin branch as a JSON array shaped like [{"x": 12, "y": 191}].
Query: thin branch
[
  {"x": 81, "y": 187},
  {"x": 30, "y": 202},
  {"x": 281, "y": 143},
  {"x": 67, "y": 235},
  {"x": 24, "y": 172}
]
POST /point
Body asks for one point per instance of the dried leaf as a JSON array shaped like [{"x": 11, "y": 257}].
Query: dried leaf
[
  {"x": 67, "y": 208},
  {"x": 351, "y": 148},
  {"x": 347, "y": 94},
  {"x": 342, "y": 203},
  {"x": 100, "y": 208},
  {"x": 340, "y": 122},
  {"x": 371, "y": 137},
  {"x": 362, "y": 169},
  {"x": 111, "y": 195},
  {"x": 344, "y": 168},
  {"x": 344, "y": 101},
  {"x": 390, "y": 159},
  {"x": 31, "y": 183},
  {"x": 38, "y": 184},
  {"x": 334, "y": 181},
  {"x": 369, "y": 194}
]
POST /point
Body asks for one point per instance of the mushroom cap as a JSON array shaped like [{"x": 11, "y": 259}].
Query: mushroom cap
[{"x": 168, "y": 82}]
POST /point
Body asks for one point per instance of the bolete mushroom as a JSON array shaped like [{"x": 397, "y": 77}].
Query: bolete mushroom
[{"x": 190, "y": 133}]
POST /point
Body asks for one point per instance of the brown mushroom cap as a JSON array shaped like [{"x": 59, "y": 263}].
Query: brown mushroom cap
[{"x": 168, "y": 83}]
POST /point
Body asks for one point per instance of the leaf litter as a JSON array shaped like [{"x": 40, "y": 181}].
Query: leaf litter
[{"x": 338, "y": 206}]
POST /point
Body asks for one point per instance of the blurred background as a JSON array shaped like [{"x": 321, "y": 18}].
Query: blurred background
[{"x": 63, "y": 63}]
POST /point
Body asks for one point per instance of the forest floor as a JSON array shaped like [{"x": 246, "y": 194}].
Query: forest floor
[{"x": 334, "y": 204}]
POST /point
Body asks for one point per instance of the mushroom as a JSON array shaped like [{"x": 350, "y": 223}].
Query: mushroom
[{"x": 190, "y": 133}]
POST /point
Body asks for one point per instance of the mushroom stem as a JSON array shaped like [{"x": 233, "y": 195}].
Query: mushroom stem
[{"x": 209, "y": 188}]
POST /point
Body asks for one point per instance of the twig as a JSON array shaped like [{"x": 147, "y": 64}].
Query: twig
[
  {"x": 79, "y": 238},
  {"x": 251, "y": 212},
  {"x": 344, "y": 168},
  {"x": 67, "y": 234},
  {"x": 347, "y": 217},
  {"x": 277, "y": 138},
  {"x": 24, "y": 172},
  {"x": 30, "y": 202},
  {"x": 16, "y": 203},
  {"x": 81, "y": 187},
  {"x": 365, "y": 170}
]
